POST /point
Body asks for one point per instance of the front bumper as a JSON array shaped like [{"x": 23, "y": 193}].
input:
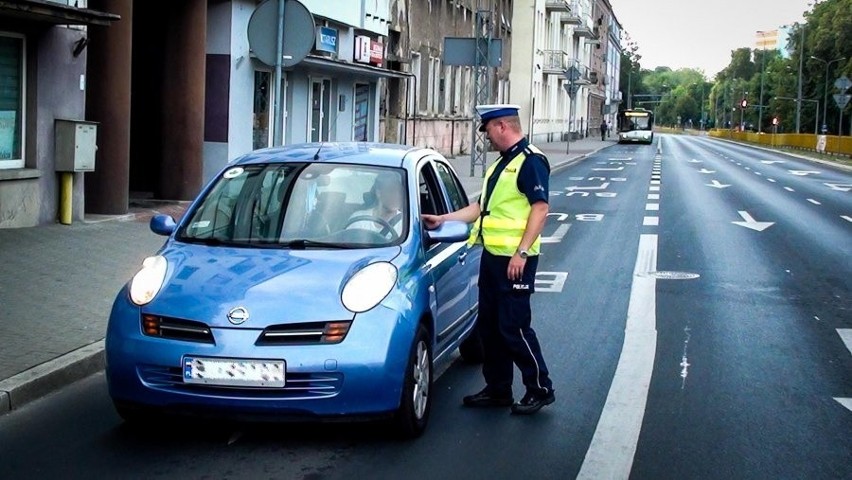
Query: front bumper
[{"x": 363, "y": 375}]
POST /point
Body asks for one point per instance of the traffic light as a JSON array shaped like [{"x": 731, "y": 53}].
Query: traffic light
[{"x": 744, "y": 103}]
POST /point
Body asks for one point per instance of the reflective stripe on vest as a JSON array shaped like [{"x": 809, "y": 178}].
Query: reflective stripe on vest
[{"x": 502, "y": 228}]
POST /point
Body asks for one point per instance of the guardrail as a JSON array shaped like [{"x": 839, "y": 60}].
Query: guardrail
[{"x": 807, "y": 141}]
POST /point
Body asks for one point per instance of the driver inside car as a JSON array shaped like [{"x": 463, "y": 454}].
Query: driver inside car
[{"x": 386, "y": 200}]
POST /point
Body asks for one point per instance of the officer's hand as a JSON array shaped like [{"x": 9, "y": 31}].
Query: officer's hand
[
  {"x": 432, "y": 221},
  {"x": 516, "y": 268}
]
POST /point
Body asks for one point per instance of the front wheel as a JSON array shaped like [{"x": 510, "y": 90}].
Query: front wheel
[{"x": 413, "y": 414}]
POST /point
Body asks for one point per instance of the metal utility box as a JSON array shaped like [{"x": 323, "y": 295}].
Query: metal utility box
[{"x": 76, "y": 143}]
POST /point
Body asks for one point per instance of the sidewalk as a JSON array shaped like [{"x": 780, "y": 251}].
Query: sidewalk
[{"x": 58, "y": 282}]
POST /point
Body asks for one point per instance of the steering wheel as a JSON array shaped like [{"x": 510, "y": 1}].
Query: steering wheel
[{"x": 386, "y": 227}]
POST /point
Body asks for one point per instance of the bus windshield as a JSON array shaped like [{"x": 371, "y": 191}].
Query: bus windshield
[{"x": 630, "y": 120}]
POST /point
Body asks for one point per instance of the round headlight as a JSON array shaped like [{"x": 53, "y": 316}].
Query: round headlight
[
  {"x": 368, "y": 287},
  {"x": 147, "y": 283}
]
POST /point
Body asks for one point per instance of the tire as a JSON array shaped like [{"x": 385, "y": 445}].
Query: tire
[
  {"x": 471, "y": 349},
  {"x": 134, "y": 415},
  {"x": 416, "y": 402}
]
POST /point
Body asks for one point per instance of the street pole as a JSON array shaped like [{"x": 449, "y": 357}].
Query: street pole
[
  {"x": 277, "y": 77},
  {"x": 762, "y": 73},
  {"x": 825, "y": 89},
  {"x": 799, "y": 95}
]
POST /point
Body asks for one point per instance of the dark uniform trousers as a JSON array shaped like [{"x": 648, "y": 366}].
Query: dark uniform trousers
[{"x": 504, "y": 327}]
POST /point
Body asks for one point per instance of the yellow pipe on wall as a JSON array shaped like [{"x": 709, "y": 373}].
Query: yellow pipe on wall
[{"x": 66, "y": 189}]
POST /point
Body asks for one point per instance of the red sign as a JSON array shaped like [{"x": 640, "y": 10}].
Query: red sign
[{"x": 369, "y": 51}]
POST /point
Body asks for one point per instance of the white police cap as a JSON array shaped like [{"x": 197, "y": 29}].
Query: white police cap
[{"x": 489, "y": 112}]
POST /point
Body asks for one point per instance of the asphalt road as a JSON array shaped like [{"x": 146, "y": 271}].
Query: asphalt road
[{"x": 692, "y": 307}]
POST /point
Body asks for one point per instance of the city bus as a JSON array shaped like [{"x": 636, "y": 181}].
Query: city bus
[{"x": 636, "y": 125}]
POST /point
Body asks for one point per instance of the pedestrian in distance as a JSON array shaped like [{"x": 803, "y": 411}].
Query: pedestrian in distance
[
  {"x": 604, "y": 128},
  {"x": 507, "y": 221}
]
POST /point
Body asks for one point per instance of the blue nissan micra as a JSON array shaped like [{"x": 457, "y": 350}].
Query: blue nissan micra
[{"x": 300, "y": 284}]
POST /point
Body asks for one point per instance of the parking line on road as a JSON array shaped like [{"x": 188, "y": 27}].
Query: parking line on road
[
  {"x": 613, "y": 446},
  {"x": 814, "y": 201}
]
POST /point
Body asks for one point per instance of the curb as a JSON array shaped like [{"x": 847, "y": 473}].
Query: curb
[
  {"x": 50, "y": 376},
  {"x": 827, "y": 163},
  {"x": 41, "y": 380}
]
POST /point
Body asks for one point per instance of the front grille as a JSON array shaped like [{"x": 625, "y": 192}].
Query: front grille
[
  {"x": 297, "y": 386},
  {"x": 304, "y": 333},
  {"x": 176, "y": 329}
]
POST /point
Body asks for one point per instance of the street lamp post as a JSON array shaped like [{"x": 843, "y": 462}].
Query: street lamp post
[
  {"x": 825, "y": 90},
  {"x": 799, "y": 95},
  {"x": 762, "y": 72}
]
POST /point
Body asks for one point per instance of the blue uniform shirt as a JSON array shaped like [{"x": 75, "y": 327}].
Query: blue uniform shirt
[{"x": 534, "y": 177}]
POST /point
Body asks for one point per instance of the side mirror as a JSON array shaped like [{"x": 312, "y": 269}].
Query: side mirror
[
  {"x": 163, "y": 225},
  {"x": 450, "y": 232}
]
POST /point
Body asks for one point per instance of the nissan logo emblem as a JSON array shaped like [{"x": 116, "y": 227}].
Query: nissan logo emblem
[{"x": 238, "y": 315}]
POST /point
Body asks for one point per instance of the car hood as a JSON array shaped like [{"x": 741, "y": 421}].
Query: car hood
[{"x": 275, "y": 286}]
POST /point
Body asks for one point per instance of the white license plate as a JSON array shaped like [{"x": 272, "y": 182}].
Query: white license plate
[{"x": 232, "y": 372}]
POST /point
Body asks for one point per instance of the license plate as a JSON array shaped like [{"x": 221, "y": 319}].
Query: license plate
[{"x": 232, "y": 372}]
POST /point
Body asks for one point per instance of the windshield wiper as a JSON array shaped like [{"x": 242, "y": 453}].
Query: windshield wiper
[
  {"x": 303, "y": 243},
  {"x": 209, "y": 241}
]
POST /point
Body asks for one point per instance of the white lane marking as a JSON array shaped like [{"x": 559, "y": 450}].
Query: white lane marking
[
  {"x": 758, "y": 173},
  {"x": 814, "y": 201},
  {"x": 771, "y": 180},
  {"x": 748, "y": 168},
  {"x": 652, "y": 206},
  {"x": 803, "y": 173},
  {"x": 770, "y": 162},
  {"x": 717, "y": 184},
  {"x": 846, "y": 336},
  {"x": 653, "y": 196},
  {"x": 750, "y": 222},
  {"x": 651, "y": 221},
  {"x": 599, "y": 187},
  {"x": 654, "y": 189},
  {"x": 846, "y": 402},
  {"x": 789, "y": 189},
  {"x": 847, "y": 218},
  {"x": 617, "y": 169},
  {"x": 704, "y": 170},
  {"x": 840, "y": 187},
  {"x": 655, "y": 182},
  {"x": 613, "y": 446}
]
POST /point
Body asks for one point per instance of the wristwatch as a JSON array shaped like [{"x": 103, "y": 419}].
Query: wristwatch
[{"x": 523, "y": 253}]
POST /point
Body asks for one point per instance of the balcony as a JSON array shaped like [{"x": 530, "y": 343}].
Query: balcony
[
  {"x": 557, "y": 6},
  {"x": 582, "y": 72},
  {"x": 572, "y": 16},
  {"x": 555, "y": 62},
  {"x": 585, "y": 28}
]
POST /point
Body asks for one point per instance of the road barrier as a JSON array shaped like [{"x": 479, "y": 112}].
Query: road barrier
[{"x": 833, "y": 144}]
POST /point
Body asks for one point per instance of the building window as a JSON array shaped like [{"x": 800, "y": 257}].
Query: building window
[
  {"x": 362, "y": 112},
  {"x": 261, "y": 133},
  {"x": 11, "y": 101}
]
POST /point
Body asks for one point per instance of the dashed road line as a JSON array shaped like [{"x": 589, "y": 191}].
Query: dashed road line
[
  {"x": 651, "y": 221},
  {"x": 789, "y": 189},
  {"x": 652, "y": 206},
  {"x": 653, "y": 196},
  {"x": 814, "y": 201},
  {"x": 771, "y": 180},
  {"x": 847, "y": 218}
]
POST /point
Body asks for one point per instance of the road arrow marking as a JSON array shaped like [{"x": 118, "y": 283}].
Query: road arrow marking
[
  {"x": 770, "y": 162},
  {"x": 803, "y": 173},
  {"x": 840, "y": 187},
  {"x": 716, "y": 184},
  {"x": 601, "y": 187},
  {"x": 846, "y": 402},
  {"x": 704, "y": 170},
  {"x": 750, "y": 222},
  {"x": 846, "y": 336}
]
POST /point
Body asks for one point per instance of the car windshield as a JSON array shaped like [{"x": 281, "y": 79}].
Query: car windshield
[{"x": 302, "y": 205}]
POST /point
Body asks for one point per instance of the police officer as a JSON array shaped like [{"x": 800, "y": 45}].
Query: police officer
[{"x": 508, "y": 221}]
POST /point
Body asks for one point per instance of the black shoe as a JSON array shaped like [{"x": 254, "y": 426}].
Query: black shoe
[
  {"x": 532, "y": 402},
  {"x": 486, "y": 398}
]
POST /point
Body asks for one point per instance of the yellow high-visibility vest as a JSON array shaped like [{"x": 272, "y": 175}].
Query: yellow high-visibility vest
[{"x": 502, "y": 227}]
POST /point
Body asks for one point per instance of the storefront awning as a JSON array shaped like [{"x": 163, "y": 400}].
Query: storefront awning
[
  {"x": 44, "y": 11},
  {"x": 331, "y": 66}
]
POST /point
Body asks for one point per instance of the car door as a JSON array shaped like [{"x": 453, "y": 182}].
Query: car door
[
  {"x": 457, "y": 199},
  {"x": 446, "y": 264}
]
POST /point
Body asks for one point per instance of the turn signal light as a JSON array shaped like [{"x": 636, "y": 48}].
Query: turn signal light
[
  {"x": 335, "y": 332},
  {"x": 151, "y": 325}
]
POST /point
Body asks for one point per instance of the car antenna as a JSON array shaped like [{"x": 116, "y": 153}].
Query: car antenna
[{"x": 316, "y": 155}]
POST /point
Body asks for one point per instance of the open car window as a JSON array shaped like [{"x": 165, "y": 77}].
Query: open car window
[{"x": 302, "y": 205}]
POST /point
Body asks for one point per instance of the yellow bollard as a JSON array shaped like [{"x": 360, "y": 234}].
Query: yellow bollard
[{"x": 65, "y": 197}]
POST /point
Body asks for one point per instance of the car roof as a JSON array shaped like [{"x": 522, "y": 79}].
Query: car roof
[{"x": 362, "y": 153}]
